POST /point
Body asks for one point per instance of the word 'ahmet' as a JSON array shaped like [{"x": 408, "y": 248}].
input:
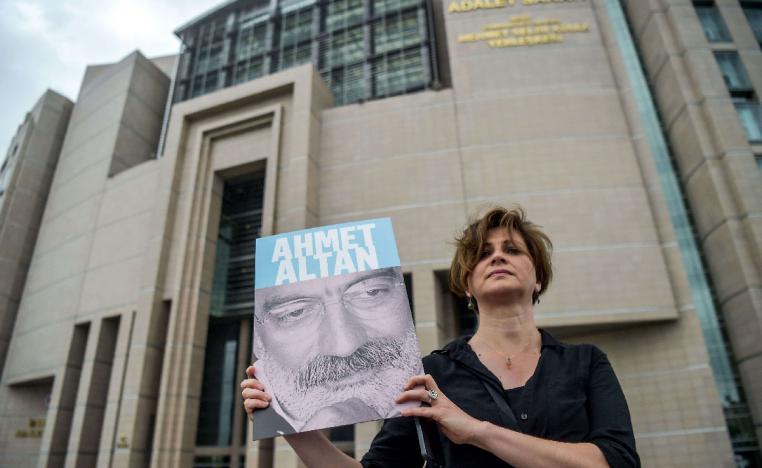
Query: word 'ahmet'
[{"x": 325, "y": 253}]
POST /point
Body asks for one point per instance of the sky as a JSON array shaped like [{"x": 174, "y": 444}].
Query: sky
[{"x": 48, "y": 43}]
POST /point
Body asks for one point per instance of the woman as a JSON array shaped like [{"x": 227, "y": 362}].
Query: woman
[{"x": 508, "y": 395}]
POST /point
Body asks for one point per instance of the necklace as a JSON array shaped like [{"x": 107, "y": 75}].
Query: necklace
[{"x": 508, "y": 359}]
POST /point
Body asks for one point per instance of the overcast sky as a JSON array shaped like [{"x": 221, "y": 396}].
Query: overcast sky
[{"x": 47, "y": 44}]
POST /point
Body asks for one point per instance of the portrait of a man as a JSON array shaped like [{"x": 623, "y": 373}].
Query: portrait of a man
[{"x": 333, "y": 351}]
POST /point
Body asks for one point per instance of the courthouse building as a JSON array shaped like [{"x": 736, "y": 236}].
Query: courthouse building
[{"x": 631, "y": 130}]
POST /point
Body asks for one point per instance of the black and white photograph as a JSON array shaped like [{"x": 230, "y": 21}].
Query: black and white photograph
[{"x": 333, "y": 352}]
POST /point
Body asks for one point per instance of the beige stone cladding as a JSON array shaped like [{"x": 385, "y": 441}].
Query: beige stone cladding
[
  {"x": 113, "y": 318},
  {"x": 29, "y": 165},
  {"x": 270, "y": 125},
  {"x": 85, "y": 271},
  {"x": 552, "y": 127},
  {"x": 715, "y": 161}
]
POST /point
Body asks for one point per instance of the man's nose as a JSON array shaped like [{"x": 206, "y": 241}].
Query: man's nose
[{"x": 341, "y": 333}]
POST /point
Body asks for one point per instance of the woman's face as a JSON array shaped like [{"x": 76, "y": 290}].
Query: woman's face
[{"x": 505, "y": 271}]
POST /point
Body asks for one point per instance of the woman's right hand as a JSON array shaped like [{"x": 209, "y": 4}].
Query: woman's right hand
[{"x": 254, "y": 395}]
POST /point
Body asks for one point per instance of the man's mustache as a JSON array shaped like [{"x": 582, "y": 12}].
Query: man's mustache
[{"x": 326, "y": 369}]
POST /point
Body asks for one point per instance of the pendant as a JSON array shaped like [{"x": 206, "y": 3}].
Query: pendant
[{"x": 508, "y": 362}]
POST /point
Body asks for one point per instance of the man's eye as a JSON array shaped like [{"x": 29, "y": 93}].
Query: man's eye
[
  {"x": 369, "y": 289},
  {"x": 376, "y": 292},
  {"x": 293, "y": 313}
]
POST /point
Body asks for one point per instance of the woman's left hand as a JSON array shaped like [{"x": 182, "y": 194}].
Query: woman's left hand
[{"x": 455, "y": 423}]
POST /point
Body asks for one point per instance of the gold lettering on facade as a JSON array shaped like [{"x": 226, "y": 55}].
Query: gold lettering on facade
[
  {"x": 34, "y": 429},
  {"x": 463, "y": 6},
  {"x": 522, "y": 30},
  {"x": 539, "y": 2}
]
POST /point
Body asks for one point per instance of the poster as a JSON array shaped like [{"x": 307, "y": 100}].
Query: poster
[{"x": 334, "y": 339}]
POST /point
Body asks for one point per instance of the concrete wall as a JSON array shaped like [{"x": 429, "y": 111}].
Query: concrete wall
[
  {"x": 31, "y": 160},
  {"x": 117, "y": 298},
  {"x": 555, "y": 129},
  {"x": 716, "y": 162},
  {"x": 85, "y": 269}
]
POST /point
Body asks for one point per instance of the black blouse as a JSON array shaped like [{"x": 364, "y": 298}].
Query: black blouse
[{"x": 573, "y": 396}]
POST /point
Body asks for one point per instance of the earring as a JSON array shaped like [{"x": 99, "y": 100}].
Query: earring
[{"x": 470, "y": 303}]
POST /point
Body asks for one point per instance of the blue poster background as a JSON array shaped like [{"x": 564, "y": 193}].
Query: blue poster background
[{"x": 381, "y": 235}]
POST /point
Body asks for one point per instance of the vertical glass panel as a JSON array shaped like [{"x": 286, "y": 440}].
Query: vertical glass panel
[
  {"x": 408, "y": 278},
  {"x": 714, "y": 25},
  {"x": 396, "y": 32},
  {"x": 224, "y": 49},
  {"x": 215, "y": 419},
  {"x": 750, "y": 114},
  {"x": 251, "y": 41},
  {"x": 342, "y": 48},
  {"x": 399, "y": 72},
  {"x": 246, "y": 71},
  {"x": 294, "y": 55},
  {"x": 348, "y": 84},
  {"x": 733, "y": 70},
  {"x": 233, "y": 281},
  {"x": 383, "y": 6},
  {"x": 197, "y": 86},
  {"x": 754, "y": 15},
  {"x": 296, "y": 27},
  {"x": 712, "y": 326},
  {"x": 221, "y": 260},
  {"x": 211, "y": 82},
  {"x": 211, "y": 461},
  {"x": 343, "y": 13}
]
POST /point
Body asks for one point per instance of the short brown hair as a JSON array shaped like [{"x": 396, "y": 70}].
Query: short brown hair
[{"x": 471, "y": 242}]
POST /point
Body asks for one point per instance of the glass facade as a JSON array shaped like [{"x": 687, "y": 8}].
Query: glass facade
[
  {"x": 221, "y": 431},
  {"x": 750, "y": 114},
  {"x": 737, "y": 416},
  {"x": 733, "y": 72},
  {"x": 753, "y": 11},
  {"x": 363, "y": 49},
  {"x": 711, "y": 19}
]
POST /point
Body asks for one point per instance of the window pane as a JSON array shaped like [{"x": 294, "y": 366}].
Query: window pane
[
  {"x": 714, "y": 26},
  {"x": 296, "y": 27},
  {"x": 246, "y": 71},
  {"x": 343, "y": 13},
  {"x": 228, "y": 49},
  {"x": 251, "y": 40},
  {"x": 750, "y": 114},
  {"x": 215, "y": 419},
  {"x": 396, "y": 32},
  {"x": 754, "y": 15},
  {"x": 399, "y": 72},
  {"x": 292, "y": 56},
  {"x": 342, "y": 48},
  {"x": 733, "y": 70},
  {"x": 382, "y": 6},
  {"x": 347, "y": 84}
]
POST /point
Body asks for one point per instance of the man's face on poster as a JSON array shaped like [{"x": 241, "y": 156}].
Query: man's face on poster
[{"x": 337, "y": 348}]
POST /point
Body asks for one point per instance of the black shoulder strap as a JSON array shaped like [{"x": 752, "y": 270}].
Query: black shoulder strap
[{"x": 508, "y": 417}]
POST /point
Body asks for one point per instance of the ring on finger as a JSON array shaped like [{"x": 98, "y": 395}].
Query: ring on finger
[{"x": 433, "y": 395}]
